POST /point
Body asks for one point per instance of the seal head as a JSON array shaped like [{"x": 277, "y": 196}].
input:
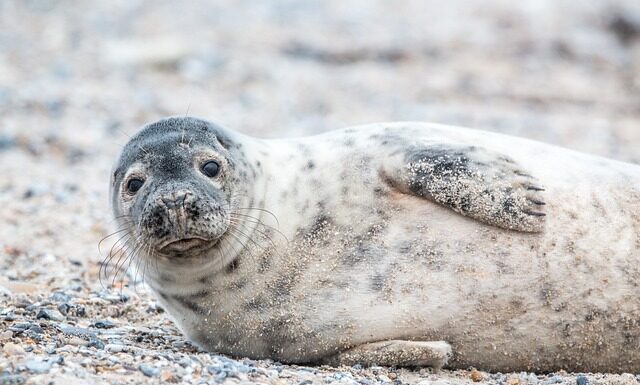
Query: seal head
[{"x": 172, "y": 187}]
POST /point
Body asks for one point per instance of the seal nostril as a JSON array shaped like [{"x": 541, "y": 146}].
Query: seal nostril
[{"x": 175, "y": 200}]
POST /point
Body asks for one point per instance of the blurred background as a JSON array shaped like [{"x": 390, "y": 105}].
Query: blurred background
[{"x": 78, "y": 77}]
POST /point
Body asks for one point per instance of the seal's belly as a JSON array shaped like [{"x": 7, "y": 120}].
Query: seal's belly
[{"x": 503, "y": 299}]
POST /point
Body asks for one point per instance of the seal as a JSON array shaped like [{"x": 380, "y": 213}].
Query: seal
[{"x": 407, "y": 244}]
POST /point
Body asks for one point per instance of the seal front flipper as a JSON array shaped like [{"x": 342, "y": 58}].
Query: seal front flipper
[
  {"x": 433, "y": 354},
  {"x": 475, "y": 182}
]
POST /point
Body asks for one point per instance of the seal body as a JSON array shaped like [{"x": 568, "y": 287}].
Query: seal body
[{"x": 517, "y": 254}]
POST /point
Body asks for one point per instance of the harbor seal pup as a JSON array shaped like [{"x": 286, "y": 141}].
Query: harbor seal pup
[{"x": 406, "y": 244}]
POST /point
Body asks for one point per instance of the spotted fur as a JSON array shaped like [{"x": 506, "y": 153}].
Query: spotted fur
[{"x": 516, "y": 254}]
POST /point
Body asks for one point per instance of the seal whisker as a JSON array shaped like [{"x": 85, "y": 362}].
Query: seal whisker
[
  {"x": 109, "y": 236},
  {"x": 130, "y": 256},
  {"x": 247, "y": 251},
  {"x": 248, "y": 237},
  {"x": 107, "y": 260},
  {"x": 125, "y": 216},
  {"x": 249, "y": 218},
  {"x": 266, "y": 211},
  {"x": 137, "y": 270},
  {"x": 239, "y": 222},
  {"x": 261, "y": 209},
  {"x": 131, "y": 245},
  {"x": 264, "y": 235}
]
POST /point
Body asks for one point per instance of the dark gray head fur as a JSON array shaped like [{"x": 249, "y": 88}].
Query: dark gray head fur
[{"x": 177, "y": 200}]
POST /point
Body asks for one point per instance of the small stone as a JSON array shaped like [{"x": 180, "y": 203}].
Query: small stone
[
  {"x": 59, "y": 296},
  {"x": 77, "y": 341},
  {"x": 19, "y": 328},
  {"x": 477, "y": 376},
  {"x": 47, "y": 314},
  {"x": 627, "y": 378},
  {"x": 64, "y": 308},
  {"x": 384, "y": 378},
  {"x": 149, "y": 370},
  {"x": 81, "y": 311},
  {"x": 179, "y": 344},
  {"x": 6, "y": 142},
  {"x": 553, "y": 380},
  {"x": 12, "y": 379},
  {"x": 532, "y": 378},
  {"x": 76, "y": 331},
  {"x": 37, "y": 366},
  {"x": 582, "y": 380},
  {"x": 513, "y": 381},
  {"x": 12, "y": 349},
  {"x": 10, "y": 316},
  {"x": 114, "y": 348},
  {"x": 104, "y": 324},
  {"x": 167, "y": 376},
  {"x": 96, "y": 343},
  {"x": 213, "y": 369},
  {"x": 5, "y": 335},
  {"x": 27, "y": 327}
]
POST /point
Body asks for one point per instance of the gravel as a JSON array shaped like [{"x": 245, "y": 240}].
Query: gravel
[
  {"x": 582, "y": 380},
  {"x": 77, "y": 78},
  {"x": 149, "y": 370}
]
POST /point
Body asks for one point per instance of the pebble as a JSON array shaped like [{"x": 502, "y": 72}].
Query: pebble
[
  {"x": 5, "y": 335},
  {"x": 553, "y": 380},
  {"x": 477, "y": 375},
  {"x": 513, "y": 380},
  {"x": 76, "y": 331},
  {"x": 38, "y": 366},
  {"x": 6, "y": 142},
  {"x": 104, "y": 324},
  {"x": 582, "y": 380},
  {"x": 24, "y": 327},
  {"x": 12, "y": 379},
  {"x": 10, "y": 316},
  {"x": 149, "y": 371},
  {"x": 96, "y": 343},
  {"x": 179, "y": 344},
  {"x": 167, "y": 376},
  {"x": 48, "y": 315},
  {"x": 114, "y": 348},
  {"x": 12, "y": 349},
  {"x": 59, "y": 296},
  {"x": 76, "y": 341},
  {"x": 64, "y": 308}
]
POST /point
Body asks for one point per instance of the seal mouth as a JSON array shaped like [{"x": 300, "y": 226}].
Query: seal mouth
[{"x": 183, "y": 244}]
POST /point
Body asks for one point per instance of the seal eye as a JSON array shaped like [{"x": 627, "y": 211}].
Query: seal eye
[
  {"x": 211, "y": 168},
  {"x": 134, "y": 185}
]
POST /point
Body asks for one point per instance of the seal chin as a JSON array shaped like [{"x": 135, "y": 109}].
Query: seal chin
[{"x": 181, "y": 245}]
